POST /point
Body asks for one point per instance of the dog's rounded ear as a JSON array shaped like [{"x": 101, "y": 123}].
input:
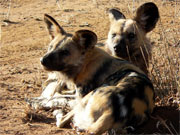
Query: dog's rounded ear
[
  {"x": 115, "y": 14},
  {"x": 147, "y": 16},
  {"x": 85, "y": 38},
  {"x": 53, "y": 27}
]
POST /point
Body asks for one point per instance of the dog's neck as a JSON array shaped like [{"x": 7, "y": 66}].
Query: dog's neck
[
  {"x": 83, "y": 71},
  {"x": 91, "y": 62},
  {"x": 89, "y": 73}
]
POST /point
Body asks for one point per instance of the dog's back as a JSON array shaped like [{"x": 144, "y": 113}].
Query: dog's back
[{"x": 126, "y": 98}]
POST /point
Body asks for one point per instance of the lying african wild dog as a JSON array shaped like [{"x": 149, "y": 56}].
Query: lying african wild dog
[
  {"x": 127, "y": 37},
  {"x": 114, "y": 93}
]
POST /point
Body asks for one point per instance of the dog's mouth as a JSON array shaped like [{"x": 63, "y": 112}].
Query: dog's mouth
[
  {"x": 50, "y": 66},
  {"x": 58, "y": 68},
  {"x": 121, "y": 51},
  {"x": 122, "y": 54},
  {"x": 43, "y": 64},
  {"x": 46, "y": 68}
]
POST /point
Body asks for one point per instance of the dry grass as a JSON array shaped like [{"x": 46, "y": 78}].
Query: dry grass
[
  {"x": 165, "y": 65},
  {"x": 163, "y": 123}
]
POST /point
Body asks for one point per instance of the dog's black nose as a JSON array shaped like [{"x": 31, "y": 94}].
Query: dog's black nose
[
  {"x": 45, "y": 61},
  {"x": 42, "y": 60}
]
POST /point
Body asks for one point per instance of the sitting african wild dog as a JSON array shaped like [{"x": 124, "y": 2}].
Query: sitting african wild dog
[
  {"x": 112, "y": 92},
  {"x": 127, "y": 37}
]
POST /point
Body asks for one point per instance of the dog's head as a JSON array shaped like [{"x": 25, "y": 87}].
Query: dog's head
[
  {"x": 126, "y": 35},
  {"x": 66, "y": 51}
]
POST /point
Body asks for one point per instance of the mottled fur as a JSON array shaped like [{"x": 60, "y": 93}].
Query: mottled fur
[
  {"x": 112, "y": 93},
  {"x": 127, "y": 37}
]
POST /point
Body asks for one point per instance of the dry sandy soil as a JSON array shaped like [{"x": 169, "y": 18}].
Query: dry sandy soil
[{"x": 24, "y": 39}]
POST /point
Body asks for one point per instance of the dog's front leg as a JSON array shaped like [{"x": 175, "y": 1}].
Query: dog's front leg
[{"x": 62, "y": 120}]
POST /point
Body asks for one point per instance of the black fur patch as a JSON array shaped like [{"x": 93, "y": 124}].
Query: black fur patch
[
  {"x": 93, "y": 83},
  {"x": 117, "y": 76},
  {"x": 117, "y": 101},
  {"x": 116, "y": 14}
]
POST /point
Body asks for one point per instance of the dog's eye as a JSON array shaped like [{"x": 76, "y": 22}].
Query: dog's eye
[
  {"x": 65, "y": 52},
  {"x": 131, "y": 35},
  {"x": 113, "y": 35}
]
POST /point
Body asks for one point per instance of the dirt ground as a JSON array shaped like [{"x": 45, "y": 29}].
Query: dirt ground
[{"x": 24, "y": 39}]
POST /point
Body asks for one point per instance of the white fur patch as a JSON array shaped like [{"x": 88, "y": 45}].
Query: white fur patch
[
  {"x": 58, "y": 114},
  {"x": 123, "y": 111},
  {"x": 133, "y": 74},
  {"x": 81, "y": 118},
  {"x": 49, "y": 90}
]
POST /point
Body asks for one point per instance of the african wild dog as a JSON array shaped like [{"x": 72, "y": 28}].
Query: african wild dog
[
  {"x": 127, "y": 37},
  {"x": 112, "y": 92}
]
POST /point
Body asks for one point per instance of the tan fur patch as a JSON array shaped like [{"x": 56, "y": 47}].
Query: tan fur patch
[
  {"x": 139, "y": 106},
  {"x": 149, "y": 93}
]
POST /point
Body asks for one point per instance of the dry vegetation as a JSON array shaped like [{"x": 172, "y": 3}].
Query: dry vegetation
[{"x": 23, "y": 40}]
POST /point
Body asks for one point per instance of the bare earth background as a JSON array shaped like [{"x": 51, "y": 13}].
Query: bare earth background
[{"x": 24, "y": 39}]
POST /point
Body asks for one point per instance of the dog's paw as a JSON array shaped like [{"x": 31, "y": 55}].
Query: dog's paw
[
  {"x": 36, "y": 103},
  {"x": 59, "y": 115}
]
